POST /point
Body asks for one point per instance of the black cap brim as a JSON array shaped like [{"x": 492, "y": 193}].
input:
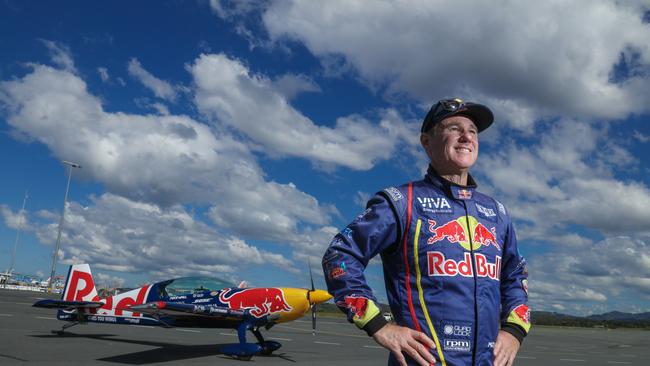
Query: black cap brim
[{"x": 479, "y": 114}]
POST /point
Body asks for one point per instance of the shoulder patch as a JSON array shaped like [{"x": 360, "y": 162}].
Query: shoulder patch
[
  {"x": 394, "y": 193},
  {"x": 502, "y": 208},
  {"x": 488, "y": 212}
]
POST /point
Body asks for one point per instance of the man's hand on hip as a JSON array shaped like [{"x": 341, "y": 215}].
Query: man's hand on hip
[
  {"x": 505, "y": 349},
  {"x": 399, "y": 340}
]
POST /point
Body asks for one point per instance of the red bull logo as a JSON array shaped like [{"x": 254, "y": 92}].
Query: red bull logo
[
  {"x": 523, "y": 313},
  {"x": 263, "y": 301},
  {"x": 357, "y": 305},
  {"x": 452, "y": 231},
  {"x": 438, "y": 265},
  {"x": 457, "y": 231}
]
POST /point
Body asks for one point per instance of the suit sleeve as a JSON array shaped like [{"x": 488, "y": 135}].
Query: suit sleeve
[
  {"x": 373, "y": 231},
  {"x": 515, "y": 315}
]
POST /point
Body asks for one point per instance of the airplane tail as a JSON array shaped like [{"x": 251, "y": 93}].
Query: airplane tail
[{"x": 79, "y": 285}]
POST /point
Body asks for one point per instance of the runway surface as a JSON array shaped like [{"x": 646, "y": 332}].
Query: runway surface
[{"x": 26, "y": 338}]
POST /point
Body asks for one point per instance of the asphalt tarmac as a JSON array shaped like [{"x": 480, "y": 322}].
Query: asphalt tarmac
[{"x": 26, "y": 338}]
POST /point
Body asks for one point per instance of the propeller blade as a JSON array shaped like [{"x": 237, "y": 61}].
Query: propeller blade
[
  {"x": 313, "y": 306},
  {"x": 313, "y": 320},
  {"x": 311, "y": 277}
]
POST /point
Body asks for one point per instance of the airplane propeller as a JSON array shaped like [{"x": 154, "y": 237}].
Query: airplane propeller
[{"x": 315, "y": 297}]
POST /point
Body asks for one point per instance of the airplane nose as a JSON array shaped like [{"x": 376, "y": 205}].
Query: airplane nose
[{"x": 318, "y": 296}]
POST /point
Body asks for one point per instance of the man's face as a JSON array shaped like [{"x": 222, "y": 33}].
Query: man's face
[{"x": 453, "y": 146}]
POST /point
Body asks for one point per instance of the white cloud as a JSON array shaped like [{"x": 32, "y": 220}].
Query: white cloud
[
  {"x": 290, "y": 85},
  {"x": 60, "y": 55},
  {"x": 226, "y": 9},
  {"x": 162, "y": 89},
  {"x": 641, "y": 137},
  {"x": 568, "y": 177},
  {"x": 361, "y": 198},
  {"x": 103, "y": 73},
  {"x": 542, "y": 58},
  {"x": 103, "y": 280},
  {"x": 229, "y": 93},
  {"x": 161, "y": 160},
  {"x": 610, "y": 271},
  {"x": 14, "y": 220},
  {"x": 115, "y": 233}
]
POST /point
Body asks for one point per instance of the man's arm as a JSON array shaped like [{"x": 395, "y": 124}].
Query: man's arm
[
  {"x": 515, "y": 315},
  {"x": 344, "y": 262}
]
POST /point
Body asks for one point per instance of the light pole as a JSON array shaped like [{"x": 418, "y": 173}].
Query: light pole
[
  {"x": 20, "y": 224},
  {"x": 55, "y": 255}
]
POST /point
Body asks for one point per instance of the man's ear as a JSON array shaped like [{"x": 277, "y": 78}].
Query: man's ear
[{"x": 424, "y": 139}]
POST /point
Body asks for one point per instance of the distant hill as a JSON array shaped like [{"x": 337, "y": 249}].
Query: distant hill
[
  {"x": 614, "y": 319},
  {"x": 617, "y": 315}
]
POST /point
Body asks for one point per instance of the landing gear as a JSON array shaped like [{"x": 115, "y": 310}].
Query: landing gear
[
  {"x": 267, "y": 346},
  {"x": 245, "y": 351},
  {"x": 64, "y": 327}
]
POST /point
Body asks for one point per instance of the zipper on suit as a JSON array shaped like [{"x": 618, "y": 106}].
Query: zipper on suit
[{"x": 471, "y": 250}]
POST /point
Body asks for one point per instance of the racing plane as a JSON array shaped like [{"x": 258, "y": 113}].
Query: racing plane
[{"x": 188, "y": 302}]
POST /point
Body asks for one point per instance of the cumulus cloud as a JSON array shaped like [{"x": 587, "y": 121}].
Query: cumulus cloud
[
  {"x": 545, "y": 59},
  {"x": 226, "y": 91},
  {"x": 119, "y": 234},
  {"x": 290, "y": 85},
  {"x": 14, "y": 220},
  {"x": 570, "y": 180},
  {"x": 161, "y": 88},
  {"x": 164, "y": 161},
  {"x": 609, "y": 271}
]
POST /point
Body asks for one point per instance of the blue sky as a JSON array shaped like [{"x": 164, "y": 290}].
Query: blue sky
[{"x": 236, "y": 138}]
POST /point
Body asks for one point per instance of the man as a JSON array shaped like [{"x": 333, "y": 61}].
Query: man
[{"x": 455, "y": 281}]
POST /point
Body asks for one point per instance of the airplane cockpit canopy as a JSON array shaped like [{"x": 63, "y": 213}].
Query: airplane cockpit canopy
[{"x": 193, "y": 285}]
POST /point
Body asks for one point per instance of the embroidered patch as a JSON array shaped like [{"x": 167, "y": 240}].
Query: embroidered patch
[
  {"x": 464, "y": 194},
  {"x": 338, "y": 271},
  {"x": 523, "y": 313},
  {"x": 362, "y": 215},
  {"x": 434, "y": 204},
  {"x": 524, "y": 285},
  {"x": 394, "y": 193},
  {"x": 502, "y": 208},
  {"x": 488, "y": 212},
  {"x": 347, "y": 232},
  {"x": 357, "y": 305},
  {"x": 457, "y": 336},
  {"x": 459, "y": 345}
]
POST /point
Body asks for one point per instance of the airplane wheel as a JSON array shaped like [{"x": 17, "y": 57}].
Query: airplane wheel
[
  {"x": 244, "y": 358},
  {"x": 268, "y": 347}
]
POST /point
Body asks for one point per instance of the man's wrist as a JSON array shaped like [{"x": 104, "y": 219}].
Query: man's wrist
[
  {"x": 375, "y": 324},
  {"x": 515, "y": 330}
]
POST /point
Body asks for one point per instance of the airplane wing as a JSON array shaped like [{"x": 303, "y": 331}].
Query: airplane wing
[
  {"x": 177, "y": 308},
  {"x": 69, "y": 305}
]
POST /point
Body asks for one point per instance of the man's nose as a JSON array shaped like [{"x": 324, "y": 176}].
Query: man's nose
[{"x": 467, "y": 135}]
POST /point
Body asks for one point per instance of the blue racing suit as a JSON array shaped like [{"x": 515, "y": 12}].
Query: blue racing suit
[{"x": 451, "y": 267}]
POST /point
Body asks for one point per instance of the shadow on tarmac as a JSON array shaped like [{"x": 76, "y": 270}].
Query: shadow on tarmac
[{"x": 164, "y": 352}]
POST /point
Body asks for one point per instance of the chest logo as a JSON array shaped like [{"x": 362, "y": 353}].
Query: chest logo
[
  {"x": 466, "y": 231},
  {"x": 434, "y": 204}
]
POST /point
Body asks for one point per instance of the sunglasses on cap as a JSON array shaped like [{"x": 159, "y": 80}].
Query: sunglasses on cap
[{"x": 480, "y": 114}]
